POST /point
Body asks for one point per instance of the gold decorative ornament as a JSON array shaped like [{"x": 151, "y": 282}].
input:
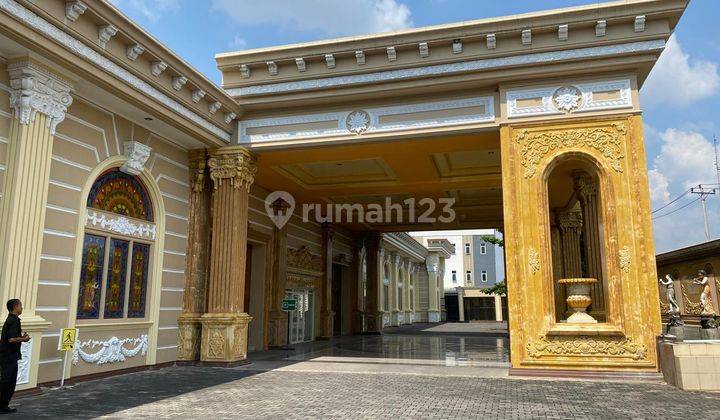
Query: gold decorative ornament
[
  {"x": 691, "y": 308},
  {"x": 533, "y": 260},
  {"x": 584, "y": 346},
  {"x": 578, "y": 298},
  {"x": 303, "y": 259},
  {"x": 537, "y": 144},
  {"x": 624, "y": 255},
  {"x": 198, "y": 167},
  {"x": 216, "y": 343},
  {"x": 237, "y": 167}
]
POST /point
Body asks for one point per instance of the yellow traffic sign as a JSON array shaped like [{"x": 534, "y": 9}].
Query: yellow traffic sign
[{"x": 68, "y": 336}]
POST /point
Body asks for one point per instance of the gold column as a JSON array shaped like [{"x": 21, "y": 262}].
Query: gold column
[
  {"x": 586, "y": 191},
  {"x": 39, "y": 99},
  {"x": 571, "y": 223},
  {"x": 373, "y": 312},
  {"x": 225, "y": 325},
  {"x": 326, "y": 313},
  {"x": 558, "y": 272},
  {"x": 278, "y": 325},
  {"x": 356, "y": 288},
  {"x": 197, "y": 265}
]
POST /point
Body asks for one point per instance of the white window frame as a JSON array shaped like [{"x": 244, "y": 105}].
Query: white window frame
[
  {"x": 454, "y": 277},
  {"x": 467, "y": 248},
  {"x": 468, "y": 276},
  {"x": 483, "y": 249},
  {"x": 483, "y": 276}
]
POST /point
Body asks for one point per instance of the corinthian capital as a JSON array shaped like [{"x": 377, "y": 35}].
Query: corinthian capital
[
  {"x": 235, "y": 165},
  {"x": 584, "y": 185},
  {"x": 570, "y": 220},
  {"x": 35, "y": 89}
]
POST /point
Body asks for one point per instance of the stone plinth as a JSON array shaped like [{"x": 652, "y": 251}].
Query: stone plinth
[
  {"x": 224, "y": 337},
  {"x": 691, "y": 365}
]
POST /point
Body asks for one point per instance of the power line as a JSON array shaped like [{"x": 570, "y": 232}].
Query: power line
[
  {"x": 673, "y": 201},
  {"x": 677, "y": 209}
]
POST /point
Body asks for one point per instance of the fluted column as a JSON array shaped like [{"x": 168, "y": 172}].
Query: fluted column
[
  {"x": 278, "y": 323},
  {"x": 586, "y": 190},
  {"x": 373, "y": 311},
  {"x": 225, "y": 325},
  {"x": 394, "y": 289},
  {"x": 558, "y": 271},
  {"x": 197, "y": 264},
  {"x": 39, "y": 99},
  {"x": 570, "y": 228},
  {"x": 433, "y": 268},
  {"x": 326, "y": 313},
  {"x": 356, "y": 282}
]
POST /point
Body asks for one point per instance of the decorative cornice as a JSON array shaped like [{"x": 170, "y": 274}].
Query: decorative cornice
[
  {"x": 106, "y": 32},
  {"x": 197, "y": 95},
  {"x": 361, "y": 121},
  {"x": 451, "y": 68},
  {"x": 158, "y": 67},
  {"x": 34, "y": 89},
  {"x": 112, "y": 222},
  {"x": 134, "y": 51},
  {"x": 535, "y": 144},
  {"x": 178, "y": 82},
  {"x": 136, "y": 154},
  {"x": 214, "y": 107},
  {"x": 237, "y": 166},
  {"x": 303, "y": 259},
  {"x": 564, "y": 99},
  {"x": 73, "y": 10},
  {"x": 85, "y": 52}
]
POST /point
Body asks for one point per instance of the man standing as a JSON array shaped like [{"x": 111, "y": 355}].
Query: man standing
[{"x": 10, "y": 341}]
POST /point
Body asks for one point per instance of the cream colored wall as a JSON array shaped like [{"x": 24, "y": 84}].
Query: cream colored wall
[
  {"x": 88, "y": 137},
  {"x": 5, "y": 114}
]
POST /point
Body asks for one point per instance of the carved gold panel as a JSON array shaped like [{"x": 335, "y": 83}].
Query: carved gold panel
[{"x": 613, "y": 148}]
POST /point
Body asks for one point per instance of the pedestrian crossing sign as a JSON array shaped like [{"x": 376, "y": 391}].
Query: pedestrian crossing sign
[{"x": 68, "y": 336}]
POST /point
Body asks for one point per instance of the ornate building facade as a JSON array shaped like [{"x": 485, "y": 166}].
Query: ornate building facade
[{"x": 134, "y": 190}]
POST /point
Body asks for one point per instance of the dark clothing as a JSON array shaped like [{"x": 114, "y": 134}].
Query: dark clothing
[
  {"x": 8, "y": 380},
  {"x": 10, "y": 352},
  {"x": 9, "y": 356}
]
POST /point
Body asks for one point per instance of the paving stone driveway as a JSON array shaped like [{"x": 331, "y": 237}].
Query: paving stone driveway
[{"x": 195, "y": 392}]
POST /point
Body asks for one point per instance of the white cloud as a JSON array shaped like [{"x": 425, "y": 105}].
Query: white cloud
[
  {"x": 679, "y": 80},
  {"x": 151, "y": 9},
  {"x": 348, "y": 17},
  {"x": 238, "y": 43},
  {"x": 686, "y": 159},
  {"x": 659, "y": 193}
]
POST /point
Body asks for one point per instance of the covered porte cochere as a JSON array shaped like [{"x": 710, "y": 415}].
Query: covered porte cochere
[{"x": 529, "y": 123}]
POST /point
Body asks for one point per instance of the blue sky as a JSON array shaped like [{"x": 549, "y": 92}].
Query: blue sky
[{"x": 680, "y": 100}]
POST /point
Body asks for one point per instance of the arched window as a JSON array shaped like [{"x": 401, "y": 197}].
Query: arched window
[{"x": 119, "y": 234}]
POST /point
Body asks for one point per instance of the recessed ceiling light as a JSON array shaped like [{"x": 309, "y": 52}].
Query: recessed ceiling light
[{"x": 148, "y": 119}]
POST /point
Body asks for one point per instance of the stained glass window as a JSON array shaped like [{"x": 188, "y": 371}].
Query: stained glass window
[
  {"x": 138, "y": 280},
  {"x": 121, "y": 193},
  {"x": 116, "y": 276},
  {"x": 91, "y": 277}
]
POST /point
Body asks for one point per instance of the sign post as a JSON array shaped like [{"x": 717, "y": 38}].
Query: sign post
[{"x": 66, "y": 343}]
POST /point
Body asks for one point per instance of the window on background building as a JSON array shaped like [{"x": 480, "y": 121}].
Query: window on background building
[
  {"x": 467, "y": 249},
  {"x": 468, "y": 276},
  {"x": 114, "y": 272},
  {"x": 454, "y": 276},
  {"x": 483, "y": 249},
  {"x": 483, "y": 276}
]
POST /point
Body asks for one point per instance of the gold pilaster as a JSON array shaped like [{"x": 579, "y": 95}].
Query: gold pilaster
[
  {"x": 277, "y": 325},
  {"x": 197, "y": 268},
  {"x": 326, "y": 313},
  {"x": 225, "y": 324},
  {"x": 373, "y": 313},
  {"x": 39, "y": 99}
]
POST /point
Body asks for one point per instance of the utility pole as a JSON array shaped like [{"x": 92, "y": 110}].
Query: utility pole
[{"x": 704, "y": 192}]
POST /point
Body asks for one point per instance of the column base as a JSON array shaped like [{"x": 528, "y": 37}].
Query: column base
[
  {"x": 278, "y": 328},
  {"x": 34, "y": 325},
  {"x": 395, "y": 318},
  {"x": 326, "y": 324},
  {"x": 433, "y": 316},
  {"x": 224, "y": 337},
  {"x": 374, "y": 322},
  {"x": 189, "y": 337}
]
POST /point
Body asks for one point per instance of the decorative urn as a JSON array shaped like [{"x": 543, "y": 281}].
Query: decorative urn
[{"x": 578, "y": 298}]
